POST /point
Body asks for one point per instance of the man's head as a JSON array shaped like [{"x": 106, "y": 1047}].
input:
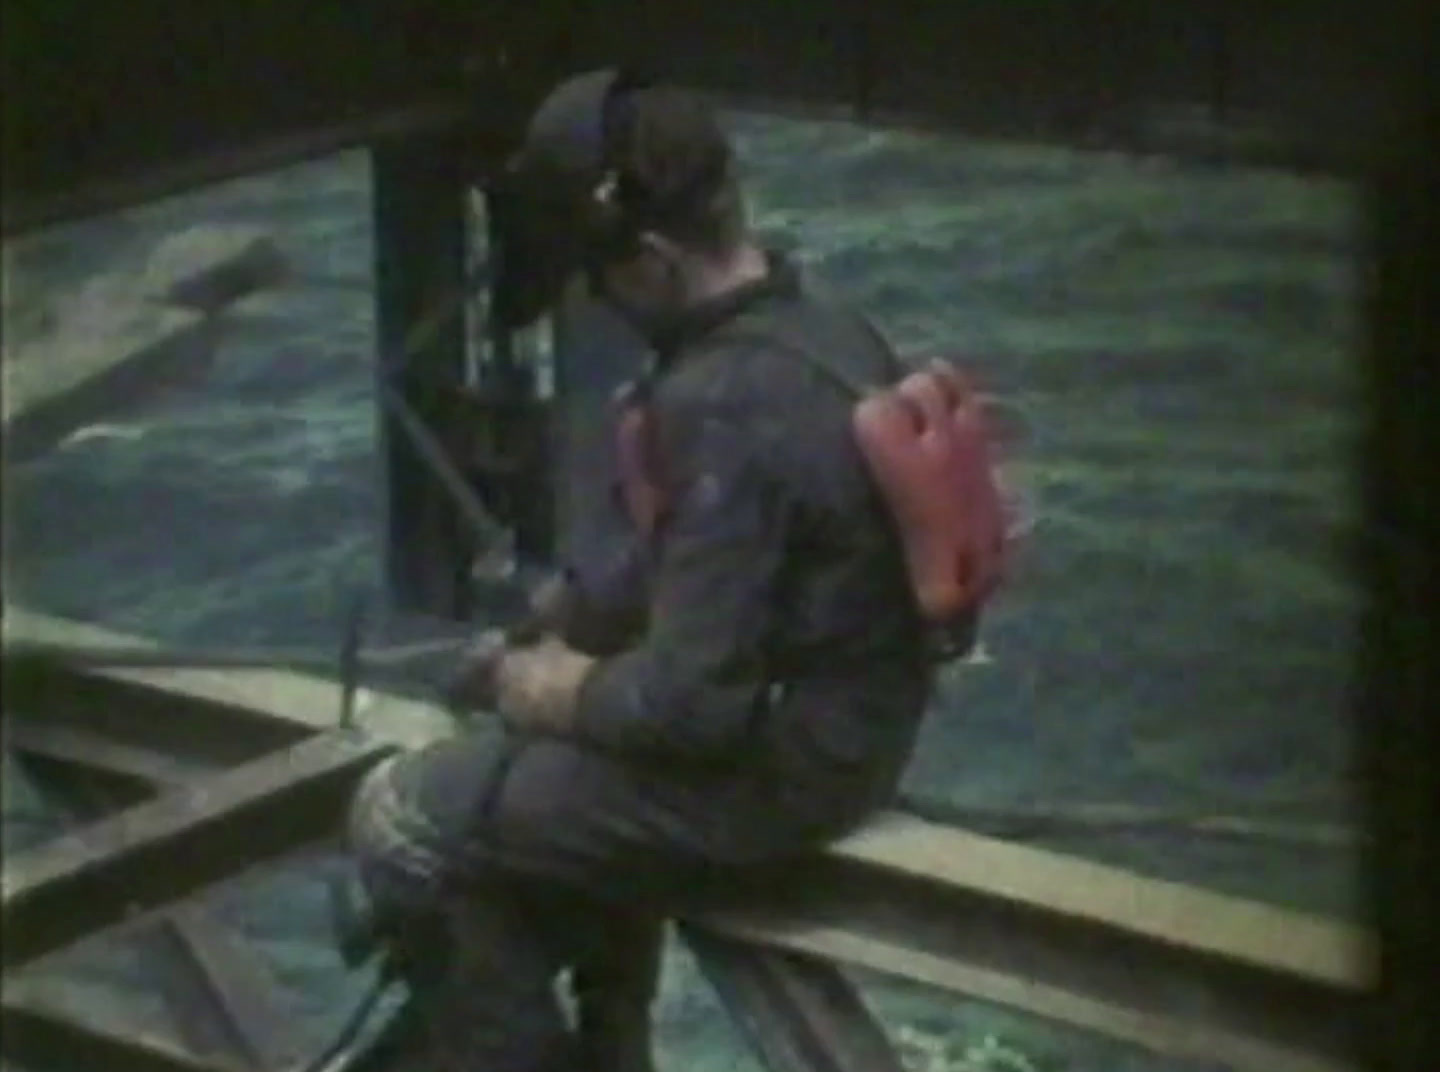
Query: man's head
[{"x": 635, "y": 186}]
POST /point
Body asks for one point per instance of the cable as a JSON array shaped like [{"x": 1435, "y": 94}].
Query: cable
[
  {"x": 358, "y": 1020},
  {"x": 490, "y": 531},
  {"x": 99, "y": 656}
]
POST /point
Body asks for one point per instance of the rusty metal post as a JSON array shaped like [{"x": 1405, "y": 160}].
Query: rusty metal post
[{"x": 420, "y": 227}]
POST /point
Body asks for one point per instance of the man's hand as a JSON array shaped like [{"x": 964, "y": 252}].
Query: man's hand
[{"x": 537, "y": 687}]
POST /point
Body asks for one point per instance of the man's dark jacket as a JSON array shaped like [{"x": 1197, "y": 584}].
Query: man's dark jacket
[
  {"x": 777, "y": 567},
  {"x": 763, "y": 670}
]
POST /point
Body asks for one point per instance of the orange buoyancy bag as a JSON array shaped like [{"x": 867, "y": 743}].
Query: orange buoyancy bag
[
  {"x": 928, "y": 449},
  {"x": 637, "y": 462}
]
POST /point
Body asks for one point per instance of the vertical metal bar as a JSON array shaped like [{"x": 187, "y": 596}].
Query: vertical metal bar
[{"x": 420, "y": 228}]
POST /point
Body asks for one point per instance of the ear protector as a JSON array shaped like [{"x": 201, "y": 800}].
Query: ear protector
[
  {"x": 616, "y": 200},
  {"x": 565, "y": 200}
]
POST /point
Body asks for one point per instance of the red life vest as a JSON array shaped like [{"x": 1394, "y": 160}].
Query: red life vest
[
  {"x": 928, "y": 449},
  {"x": 637, "y": 457},
  {"x": 927, "y": 446}
]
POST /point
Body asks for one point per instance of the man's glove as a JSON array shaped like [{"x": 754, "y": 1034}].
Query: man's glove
[
  {"x": 551, "y": 605},
  {"x": 472, "y": 686},
  {"x": 474, "y": 683},
  {"x": 537, "y": 687}
]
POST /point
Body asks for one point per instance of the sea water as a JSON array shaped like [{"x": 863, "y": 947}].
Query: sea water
[{"x": 1173, "y": 346}]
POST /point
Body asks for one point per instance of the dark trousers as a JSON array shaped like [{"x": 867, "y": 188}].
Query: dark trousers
[
  {"x": 507, "y": 865},
  {"x": 482, "y": 963},
  {"x": 498, "y": 871}
]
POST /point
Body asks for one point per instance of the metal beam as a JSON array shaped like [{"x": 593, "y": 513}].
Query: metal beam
[
  {"x": 142, "y": 723},
  {"x": 164, "y": 850},
  {"x": 799, "y": 1012},
  {"x": 220, "y": 991},
  {"x": 41, "y": 1040},
  {"x": 1180, "y": 971},
  {"x": 53, "y": 741},
  {"x": 1302, "y": 82},
  {"x": 197, "y": 717},
  {"x": 104, "y": 192}
]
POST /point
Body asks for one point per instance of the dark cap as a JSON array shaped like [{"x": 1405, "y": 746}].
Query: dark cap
[{"x": 607, "y": 154}]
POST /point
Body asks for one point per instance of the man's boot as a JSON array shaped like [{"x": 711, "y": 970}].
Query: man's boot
[{"x": 614, "y": 993}]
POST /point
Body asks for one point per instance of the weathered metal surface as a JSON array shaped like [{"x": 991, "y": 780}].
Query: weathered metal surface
[
  {"x": 161, "y": 851},
  {"x": 800, "y": 1013},
  {"x": 144, "y": 722},
  {"x": 113, "y": 191},
  {"x": 206, "y": 967},
  {"x": 202, "y": 716},
  {"x": 48, "y": 739},
  {"x": 1251, "y": 933},
  {"x": 1182, "y": 971},
  {"x": 1312, "y": 76},
  {"x": 221, "y": 993},
  {"x": 40, "y": 1040}
]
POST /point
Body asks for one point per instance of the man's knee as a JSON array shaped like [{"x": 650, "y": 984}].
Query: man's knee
[
  {"x": 420, "y": 818},
  {"x": 394, "y": 849}
]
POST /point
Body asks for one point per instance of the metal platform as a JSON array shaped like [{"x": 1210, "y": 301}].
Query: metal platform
[{"x": 240, "y": 769}]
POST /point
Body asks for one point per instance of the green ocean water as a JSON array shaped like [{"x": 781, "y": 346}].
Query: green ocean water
[{"x": 1172, "y": 342}]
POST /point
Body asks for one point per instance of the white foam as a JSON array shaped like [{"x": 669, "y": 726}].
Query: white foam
[{"x": 104, "y": 431}]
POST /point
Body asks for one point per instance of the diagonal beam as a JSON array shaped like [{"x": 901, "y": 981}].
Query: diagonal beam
[
  {"x": 51, "y": 741},
  {"x": 800, "y": 1013},
  {"x": 162, "y": 851},
  {"x": 205, "y": 717},
  {"x": 1180, "y": 970},
  {"x": 221, "y": 993},
  {"x": 43, "y": 1040}
]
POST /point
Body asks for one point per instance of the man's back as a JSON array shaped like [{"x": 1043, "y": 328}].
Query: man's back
[{"x": 782, "y": 634}]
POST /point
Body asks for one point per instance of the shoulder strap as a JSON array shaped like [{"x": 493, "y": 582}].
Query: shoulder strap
[
  {"x": 849, "y": 384},
  {"x": 833, "y": 373}
]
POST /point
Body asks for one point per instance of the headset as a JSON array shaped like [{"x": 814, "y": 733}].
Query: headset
[
  {"x": 615, "y": 204},
  {"x": 569, "y": 199},
  {"x": 565, "y": 201}
]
